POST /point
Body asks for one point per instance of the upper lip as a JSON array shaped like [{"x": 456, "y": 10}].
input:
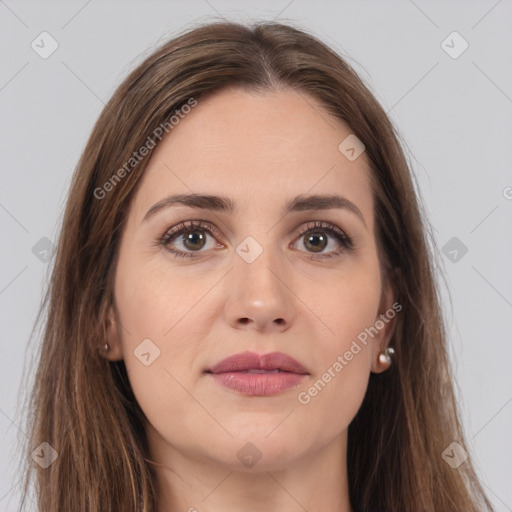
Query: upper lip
[{"x": 252, "y": 361}]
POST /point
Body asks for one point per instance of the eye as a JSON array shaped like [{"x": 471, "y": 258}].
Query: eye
[
  {"x": 190, "y": 237},
  {"x": 319, "y": 235}
]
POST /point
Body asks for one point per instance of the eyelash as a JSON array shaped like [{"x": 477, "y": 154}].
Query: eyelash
[{"x": 345, "y": 241}]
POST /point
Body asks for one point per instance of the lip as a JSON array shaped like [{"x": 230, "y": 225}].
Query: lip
[
  {"x": 252, "y": 361},
  {"x": 258, "y": 375}
]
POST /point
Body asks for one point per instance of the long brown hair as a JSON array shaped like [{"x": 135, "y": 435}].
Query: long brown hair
[{"x": 82, "y": 405}]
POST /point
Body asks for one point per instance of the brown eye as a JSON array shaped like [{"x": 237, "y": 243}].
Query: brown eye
[
  {"x": 190, "y": 237},
  {"x": 317, "y": 241},
  {"x": 194, "y": 240},
  {"x": 318, "y": 236}
]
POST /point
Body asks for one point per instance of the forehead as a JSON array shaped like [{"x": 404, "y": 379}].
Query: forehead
[{"x": 259, "y": 148}]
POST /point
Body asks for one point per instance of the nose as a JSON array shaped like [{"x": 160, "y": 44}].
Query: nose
[{"x": 259, "y": 298}]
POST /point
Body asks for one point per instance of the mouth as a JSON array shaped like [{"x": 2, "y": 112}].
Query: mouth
[{"x": 258, "y": 375}]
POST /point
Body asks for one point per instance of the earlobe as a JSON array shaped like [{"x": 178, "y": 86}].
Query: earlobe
[
  {"x": 110, "y": 348},
  {"x": 382, "y": 353}
]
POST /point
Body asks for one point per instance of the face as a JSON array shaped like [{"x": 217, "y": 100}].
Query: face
[{"x": 196, "y": 283}]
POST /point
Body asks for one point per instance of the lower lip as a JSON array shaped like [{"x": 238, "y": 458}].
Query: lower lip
[{"x": 259, "y": 384}]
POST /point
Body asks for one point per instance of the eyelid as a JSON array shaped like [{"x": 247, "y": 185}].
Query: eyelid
[
  {"x": 326, "y": 225},
  {"x": 190, "y": 225}
]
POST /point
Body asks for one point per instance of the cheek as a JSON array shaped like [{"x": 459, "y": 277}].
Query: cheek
[
  {"x": 349, "y": 308},
  {"x": 161, "y": 332},
  {"x": 347, "y": 303},
  {"x": 331, "y": 400},
  {"x": 153, "y": 301}
]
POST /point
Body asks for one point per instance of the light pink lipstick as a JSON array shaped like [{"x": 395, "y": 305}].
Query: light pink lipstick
[{"x": 258, "y": 375}]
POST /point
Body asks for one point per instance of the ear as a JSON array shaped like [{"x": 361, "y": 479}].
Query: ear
[
  {"x": 112, "y": 337},
  {"x": 385, "y": 325}
]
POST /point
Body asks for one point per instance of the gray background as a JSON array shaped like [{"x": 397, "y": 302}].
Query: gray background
[{"x": 453, "y": 113}]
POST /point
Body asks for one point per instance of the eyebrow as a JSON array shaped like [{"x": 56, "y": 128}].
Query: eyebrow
[{"x": 227, "y": 205}]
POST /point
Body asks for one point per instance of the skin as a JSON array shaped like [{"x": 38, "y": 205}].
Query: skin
[{"x": 261, "y": 150}]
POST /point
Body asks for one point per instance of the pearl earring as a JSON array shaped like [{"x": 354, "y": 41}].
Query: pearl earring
[
  {"x": 106, "y": 347},
  {"x": 385, "y": 357}
]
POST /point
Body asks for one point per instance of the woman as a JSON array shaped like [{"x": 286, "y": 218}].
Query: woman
[{"x": 243, "y": 313}]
